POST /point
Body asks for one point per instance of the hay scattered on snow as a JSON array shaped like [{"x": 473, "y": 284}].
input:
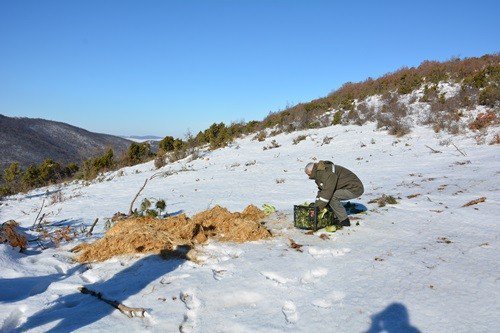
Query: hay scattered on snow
[{"x": 151, "y": 235}]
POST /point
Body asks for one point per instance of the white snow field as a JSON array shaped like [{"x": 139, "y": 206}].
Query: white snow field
[{"x": 425, "y": 264}]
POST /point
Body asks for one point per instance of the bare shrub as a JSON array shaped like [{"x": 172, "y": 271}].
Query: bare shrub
[
  {"x": 495, "y": 140},
  {"x": 430, "y": 93},
  {"x": 57, "y": 236},
  {"x": 326, "y": 140},
  {"x": 274, "y": 144},
  {"x": 261, "y": 136},
  {"x": 299, "y": 138},
  {"x": 56, "y": 198},
  {"x": 384, "y": 200},
  {"x": 392, "y": 116}
]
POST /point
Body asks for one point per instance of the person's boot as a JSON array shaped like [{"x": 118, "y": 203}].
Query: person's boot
[{"x": 345, "y": 223}]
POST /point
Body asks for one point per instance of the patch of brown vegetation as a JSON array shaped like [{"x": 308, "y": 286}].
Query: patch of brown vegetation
[
  {"x": 495, "y": 140},
  {"x": 152, "y": 235},
  {"x": 475, "y": 202},
  {"x": 9, "y": 234},
  {"x": 295, "y": 246},
  {"x": 57, "y": 236},
  {"x": 483, "y": 120}
]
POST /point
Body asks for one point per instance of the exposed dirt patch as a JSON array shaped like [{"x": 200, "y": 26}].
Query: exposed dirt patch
[{"x": 151, "y": 235}]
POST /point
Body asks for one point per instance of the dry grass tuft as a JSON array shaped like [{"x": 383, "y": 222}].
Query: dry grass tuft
[
  {"x": 9, "y": 234},
  {"x": 152, "y": 235},
  {"x": 474, "y": 202}
]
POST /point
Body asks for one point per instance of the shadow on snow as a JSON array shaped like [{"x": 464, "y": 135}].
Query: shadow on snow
[
  {"x": 77, "y": 310},
  {"x": 393, "y": 319}
]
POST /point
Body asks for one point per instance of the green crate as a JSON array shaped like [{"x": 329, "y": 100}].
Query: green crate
[{"x": 306, "y": 217}]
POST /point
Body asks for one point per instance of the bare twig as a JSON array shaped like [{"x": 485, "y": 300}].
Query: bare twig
[
  {"x": 130, "y": 211},
  {"x": 41, "y": 219},
  {"x": 434, "y": 150},
  {"x": 89, "y": 233},
  {"x": 36, "y": 218},
  {"x": 461, "y": 152},
  {"x": 129, "y": 312}
]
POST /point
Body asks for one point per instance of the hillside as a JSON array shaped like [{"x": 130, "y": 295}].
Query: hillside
[
  {"x": 30, "y": 141},
  {"x": 446, "y": 96},
  {"x": 426, "y": 263}
]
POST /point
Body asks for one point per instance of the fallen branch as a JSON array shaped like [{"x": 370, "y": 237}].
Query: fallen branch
[
  {"x": 475, "y": 202},
  {"x": 461, "y": 152},
  {"x": 89, "y": 233},
  {"x": 36, "y": 218},
  {"x": 434, "y": 150},
  {"x": 129, "y": 312}
]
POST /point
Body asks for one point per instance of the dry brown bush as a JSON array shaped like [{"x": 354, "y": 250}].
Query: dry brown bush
[
  {"x": 483, "y": 120},
  {"x": 10, "y": 234},
  {"x": 66, "y": 234}
]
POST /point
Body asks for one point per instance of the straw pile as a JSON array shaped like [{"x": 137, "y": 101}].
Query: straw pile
[{"x": 151, "y": 235}]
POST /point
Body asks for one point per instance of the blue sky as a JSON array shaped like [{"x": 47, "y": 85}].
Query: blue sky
[{"x": 161, "y": 67}]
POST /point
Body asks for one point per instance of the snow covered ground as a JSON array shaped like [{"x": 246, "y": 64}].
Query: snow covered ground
[{"x": 425, "y": 264}]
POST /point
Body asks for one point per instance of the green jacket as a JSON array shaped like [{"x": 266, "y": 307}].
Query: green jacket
[{"x": 330, "y": 178}]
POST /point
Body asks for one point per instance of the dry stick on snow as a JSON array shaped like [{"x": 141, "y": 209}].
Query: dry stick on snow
[
  {"x": 461, "y": 152},
  {"x": 130, "y": 211},
  {"x": 129, "y": 312},
  {"x": 89, "y": 233},
  {"x": 475, "y": 202},
  {"x": 36, "y": 218},
  {"x": 434, "y": 150},
  {"x": 41, "y": 219}
]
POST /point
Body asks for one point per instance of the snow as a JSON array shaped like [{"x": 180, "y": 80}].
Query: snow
[{"x": 393, "y": 265}]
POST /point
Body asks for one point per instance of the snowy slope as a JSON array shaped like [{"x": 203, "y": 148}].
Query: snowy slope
[{"x": 426, "y": 262}]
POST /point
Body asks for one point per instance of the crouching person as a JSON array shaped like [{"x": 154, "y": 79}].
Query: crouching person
[{"x": 335, "y": 183}]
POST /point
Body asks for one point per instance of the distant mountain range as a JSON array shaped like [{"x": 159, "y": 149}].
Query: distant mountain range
[
  {"x": 142, "y": 138},
  {"x": 30, "y": 141}
]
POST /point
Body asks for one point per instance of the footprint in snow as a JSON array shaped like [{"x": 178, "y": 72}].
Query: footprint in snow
[
  {"x": 322, "y": 303},
  {"x": 327, "y": 302},
  {"x": 192, "y": 304},
  {"x": 321, "y": 253},
  {"x": 275, "y": 277},
  {"x": 290, "y": 311},
  {"x": 313, "y": 275},
  {"x": 220, "y": 272},
  {"x": 14, "y": 320},
  {"x": 170, "y": 279}
]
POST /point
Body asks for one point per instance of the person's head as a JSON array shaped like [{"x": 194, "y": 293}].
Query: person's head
[{"x": 309, "y": 168}]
